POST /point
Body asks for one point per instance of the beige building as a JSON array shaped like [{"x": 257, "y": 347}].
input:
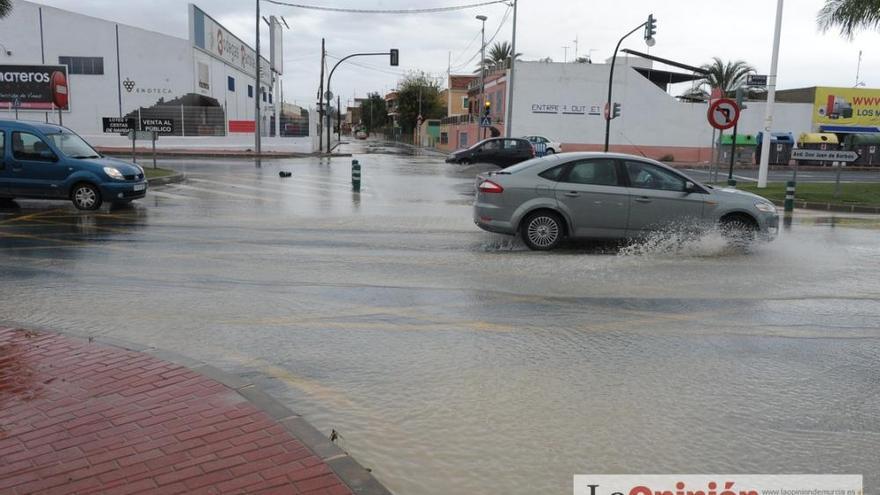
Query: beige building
[{"x": 456, "y": 94}]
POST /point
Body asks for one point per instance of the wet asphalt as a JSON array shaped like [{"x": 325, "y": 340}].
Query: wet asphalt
[{"x": 456, "y": 361}]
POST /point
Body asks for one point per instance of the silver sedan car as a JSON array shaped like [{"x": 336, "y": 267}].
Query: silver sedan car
[{"x": 611, "y": 196}]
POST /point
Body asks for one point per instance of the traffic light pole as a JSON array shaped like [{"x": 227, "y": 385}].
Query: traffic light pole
[
  {"x": 343, "y": 59},
  {"x": 611, "y": 81}
]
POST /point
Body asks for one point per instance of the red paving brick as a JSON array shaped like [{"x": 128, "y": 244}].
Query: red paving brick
[{"x": 78, "y": 417}]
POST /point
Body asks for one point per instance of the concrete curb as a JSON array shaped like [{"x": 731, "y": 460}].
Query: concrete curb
[
  {"x": 807, "y": 205},
  {"x": 168, "y": 179},
  {"x": 145, "y": 154},
  {"x": 355, "y": 476}
]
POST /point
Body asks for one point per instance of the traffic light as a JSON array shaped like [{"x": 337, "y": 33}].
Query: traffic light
[
  {"x": 650, "y": 30},
  {"x": 395, "y": 57},
  {"x": 615, "y": 111},
  {"x": 488, "y": 109}
]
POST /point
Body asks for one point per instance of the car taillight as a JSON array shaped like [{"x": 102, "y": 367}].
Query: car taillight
[{"x": 487, "y": 186}]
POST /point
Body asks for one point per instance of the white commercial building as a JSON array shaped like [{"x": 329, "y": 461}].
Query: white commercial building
[
  {"x": 204, "y": 83},
  {"x": 566, "y": 102}
]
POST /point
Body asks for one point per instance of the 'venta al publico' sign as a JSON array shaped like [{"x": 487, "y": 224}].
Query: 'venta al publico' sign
[
  {"x": 162, "y": 126},
  {"x": 31, "y": 85},
  {"x": 825, "y": 155}
]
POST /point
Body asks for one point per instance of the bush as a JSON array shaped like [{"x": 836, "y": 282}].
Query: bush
[{"x": 667, "y": 158}]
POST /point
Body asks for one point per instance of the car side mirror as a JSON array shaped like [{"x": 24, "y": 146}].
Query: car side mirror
[{"x": 690, "y": 187}]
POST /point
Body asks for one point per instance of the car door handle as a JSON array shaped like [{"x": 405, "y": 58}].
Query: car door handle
[
  {"x": 572, "y": 194},
  {"x": 643, "y": 199}
]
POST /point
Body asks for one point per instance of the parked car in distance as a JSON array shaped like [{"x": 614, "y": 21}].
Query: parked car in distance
[
  {"x": 500, "y": 151},
  {"x": 551, "y": 146},
  {"x": 611, "y": 196},
  {"x": 47, "y": 161},
  {"x": 360, "y": 134}
]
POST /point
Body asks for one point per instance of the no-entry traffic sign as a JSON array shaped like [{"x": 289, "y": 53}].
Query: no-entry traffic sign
[{"x": 723, "y": 113}]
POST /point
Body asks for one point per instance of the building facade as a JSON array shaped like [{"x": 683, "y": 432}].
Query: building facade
[{"x": 205, "y": 82}]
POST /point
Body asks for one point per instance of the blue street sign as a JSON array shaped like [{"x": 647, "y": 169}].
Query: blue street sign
[{"x": 485, "y": 121}]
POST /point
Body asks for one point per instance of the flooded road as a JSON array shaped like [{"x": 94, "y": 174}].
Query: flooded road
[{"x": 456, "y": 361}]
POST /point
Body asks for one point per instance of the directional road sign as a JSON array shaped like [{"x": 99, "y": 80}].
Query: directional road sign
[
  {"x": 723, "y": 113},
  {"x": 485, "y": 121},
  {"x": 825, "y": 155}
]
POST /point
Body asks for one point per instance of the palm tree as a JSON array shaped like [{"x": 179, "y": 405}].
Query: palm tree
[
  {"x": 499, "y": 56},
  {"x": 5, "y": 8},
  {"x": 727, "y": 76},
  {"x": 849, "y": 15}
]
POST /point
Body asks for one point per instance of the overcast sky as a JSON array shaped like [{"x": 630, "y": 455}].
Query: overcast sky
[{"x": 689, "y": 31}]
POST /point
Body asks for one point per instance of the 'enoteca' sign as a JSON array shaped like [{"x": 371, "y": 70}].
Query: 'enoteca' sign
[{"x": 32, "y": 86}]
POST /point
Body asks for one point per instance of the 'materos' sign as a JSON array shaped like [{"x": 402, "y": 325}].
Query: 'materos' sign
[{"x": 32, "y": 86}]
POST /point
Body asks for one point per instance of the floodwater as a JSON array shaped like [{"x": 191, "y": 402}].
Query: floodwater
[{"x": 456, "y": 361}]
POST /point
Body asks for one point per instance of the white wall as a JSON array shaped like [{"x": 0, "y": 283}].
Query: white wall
[
  {"x": 160, "y": 66},
  {"x": 649, "y": 116}
]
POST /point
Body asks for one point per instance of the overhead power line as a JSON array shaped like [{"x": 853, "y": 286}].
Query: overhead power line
[{"x": 431, "y": 10}]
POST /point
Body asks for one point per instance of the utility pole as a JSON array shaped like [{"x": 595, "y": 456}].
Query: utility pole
[
  {"x": 509, "y": 106},
  {"x": 565, "y": 54},
  {"x": 575, "y": 47},
  {"x": 321, "y": 100},
  {"x": 338, "y": 119},
  {"x": 482, "y": 66},
  {"x": 449, "y": 84},
  {"x": 771, "y": 99},
  {"x": 257, "y": 86}
]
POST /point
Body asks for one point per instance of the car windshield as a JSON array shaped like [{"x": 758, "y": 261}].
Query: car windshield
[{"x": 72, "y": 145}]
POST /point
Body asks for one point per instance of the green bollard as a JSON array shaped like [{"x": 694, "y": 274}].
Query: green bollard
[
  {"x": 731, "y": 182},
  {"x": 355, "y": 175},
  {"x": 789, "y": 196}
]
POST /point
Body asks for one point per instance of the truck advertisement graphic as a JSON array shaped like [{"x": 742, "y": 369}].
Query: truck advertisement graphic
[{"x": 847, "y": 106}]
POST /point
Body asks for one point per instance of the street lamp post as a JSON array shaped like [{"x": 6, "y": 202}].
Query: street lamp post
[
  {"x": 509, "y": 124},
  {"x": 482, "y": 18},
  {"x": 764, "y": 163},
  {"x": 257, "y": 86},
  {"x": 649, "y": 26}
]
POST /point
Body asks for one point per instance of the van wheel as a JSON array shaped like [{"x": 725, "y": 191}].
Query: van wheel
[
  {"x": 86, "y": 197},
  {"x": 542, "y": 230}
]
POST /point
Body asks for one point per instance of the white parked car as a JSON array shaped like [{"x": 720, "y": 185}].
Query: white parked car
[{"x": 552, "y": 146}]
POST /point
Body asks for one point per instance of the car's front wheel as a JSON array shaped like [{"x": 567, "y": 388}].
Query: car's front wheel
[
  {"x": 549, "y": 151},
  {"x": 86, "y": 197},
  {"x": 738, "y": 230},
  {"x": 464, "y": 161},
  {"x": 542, "y": 230}
]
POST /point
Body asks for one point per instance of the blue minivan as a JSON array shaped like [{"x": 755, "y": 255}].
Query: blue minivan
[{"x": 48, "y": 161}]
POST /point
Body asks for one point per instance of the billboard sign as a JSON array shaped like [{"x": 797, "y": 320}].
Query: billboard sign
[
  {"x": 209, "y": 36},
  {"x": 160, "y": 126},
  {"x": 117, "y": 125},
  {"x": 35, "y": 87},
  {"x": 276, "y": 45},
  {"x": 847, "y": 106}
]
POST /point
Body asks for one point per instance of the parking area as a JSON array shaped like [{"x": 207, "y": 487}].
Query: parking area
[{"x": 452, "y": 360}]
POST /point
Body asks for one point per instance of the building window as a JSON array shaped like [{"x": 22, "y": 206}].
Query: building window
[
  {"x": 230, "y": 83},
  {"x": 464, "y": 102},
  {"x": 83, "y": 65},
  {"x": 444, "y": 138},
  {"x": 250, "y": 91},
  {"x": 263, "y": 92},
  {"x": 270, "y": 97}
]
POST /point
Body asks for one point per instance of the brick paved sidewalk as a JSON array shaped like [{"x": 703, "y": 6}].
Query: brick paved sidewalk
[{"x": 80, "y": 417}]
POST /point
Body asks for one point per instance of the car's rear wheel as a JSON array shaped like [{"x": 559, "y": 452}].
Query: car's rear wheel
[
  {"x": 464, "y": 161},
  {"x": 542, "y": 230},
  {"x": 738, "y": 230},
  {"x": 86, "y": 197}
]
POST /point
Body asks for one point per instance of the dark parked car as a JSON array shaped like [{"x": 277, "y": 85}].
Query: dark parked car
[{"x": 500, "y": 151}]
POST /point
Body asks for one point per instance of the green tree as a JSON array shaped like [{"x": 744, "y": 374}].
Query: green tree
[
  {"x": 727, "y": 76},
  {"x": 5, "y": 8},
  {"x": 374, "y": 113},
  {"x": 583, "y": 60},
  {"x": 498, "y": 56},
  {"x": 849, "y": 15},
  {"x": 417, "y": 91}
]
